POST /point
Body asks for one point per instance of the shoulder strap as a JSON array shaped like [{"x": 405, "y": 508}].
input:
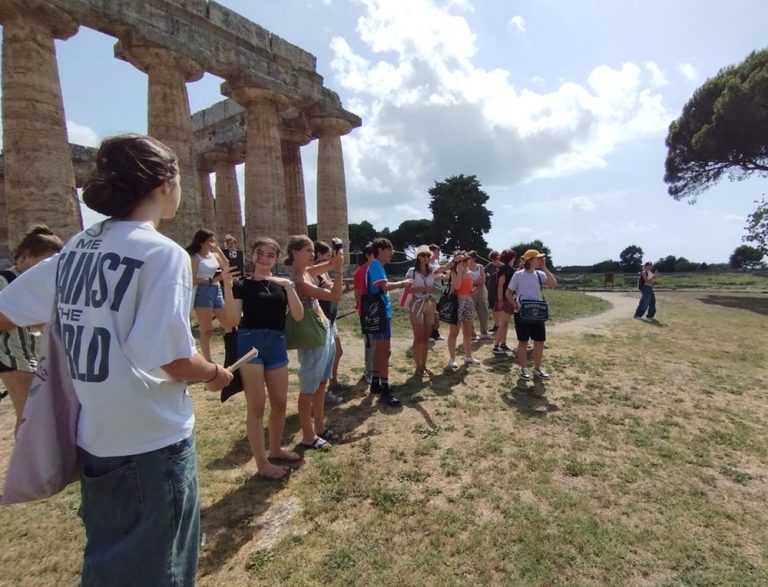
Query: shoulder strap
[{"x": 8, "y": 275}]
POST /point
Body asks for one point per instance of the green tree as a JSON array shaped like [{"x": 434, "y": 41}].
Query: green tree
[
  {"x": 412, "y": 233},
  {"x": 360, "y": 235},
  {"x": 757, "y": 226},
  {"x": 722, "y": 130},
  {"x": 667, "y": 264},
  {"x": 631, "y": 259},
  {"x": 607, "y": 266},
  {"x": 746, "y": 257},
  {"x": 520, "y": 248},
  {"x": 459, "y": 215},
  {"x": 312, "y": 231}
]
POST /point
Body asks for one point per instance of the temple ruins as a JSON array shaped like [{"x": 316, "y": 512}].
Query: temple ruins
[{"x": 275, "y": 103}]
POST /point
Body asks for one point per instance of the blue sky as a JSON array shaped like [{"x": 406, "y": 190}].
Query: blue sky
[{"x": 560, "y": 107}]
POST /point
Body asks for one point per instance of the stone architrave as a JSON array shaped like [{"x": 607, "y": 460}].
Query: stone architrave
[
  {"x": 207, "y": 210},
  {"x": 39, "y": 179},
  {"x": 170, "y": 121},
  {"x": 332, "y": 218},
  {"x": 265, "y": 213},
  {"x": 295, "y": 199}
]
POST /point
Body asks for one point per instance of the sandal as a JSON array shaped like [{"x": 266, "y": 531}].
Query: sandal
[
  {"x": 317, "y": 444},
  {"x": 329, "y": 434}
]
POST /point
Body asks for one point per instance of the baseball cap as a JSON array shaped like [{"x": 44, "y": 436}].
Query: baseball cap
[{"x": 531, "y": 253}]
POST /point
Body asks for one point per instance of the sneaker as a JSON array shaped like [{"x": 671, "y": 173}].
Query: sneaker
[
  {"x": 638, "y": 317},
  {"x": 375, "y": 387},
  {"x": 524, "y": 375},
  {"x": 432, "y": 339},
  {"x": 388, "y": 398},
  {"x": 540, "y": 374},
  {"x": 497, "y": 350},
  {"x": 331, "y": 399},
  {"x": 505, "y": 348},
  {"x": 472, "y": 361},
  {"x": 452, "y": 364},
  {"x": 438, "y": 337}
]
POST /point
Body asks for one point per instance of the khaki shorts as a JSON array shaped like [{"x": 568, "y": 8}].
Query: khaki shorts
[{"x": 423, "y": 313}]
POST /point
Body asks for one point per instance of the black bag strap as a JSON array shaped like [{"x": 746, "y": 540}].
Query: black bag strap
[{"x": 8, "y": 275}]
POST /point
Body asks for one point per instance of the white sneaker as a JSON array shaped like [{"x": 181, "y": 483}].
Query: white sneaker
[
  {"x": 452, "y": 364},
  {"x": 472, "y": 361},
  {"x": 524, "y": 375},
  {"x": 540, "y": 374}
]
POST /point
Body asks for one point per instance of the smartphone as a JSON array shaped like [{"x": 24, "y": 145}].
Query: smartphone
[{"x": 337, "y": 244}]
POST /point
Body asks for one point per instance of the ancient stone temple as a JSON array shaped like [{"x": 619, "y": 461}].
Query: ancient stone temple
[{"x": 276, "y": 103}]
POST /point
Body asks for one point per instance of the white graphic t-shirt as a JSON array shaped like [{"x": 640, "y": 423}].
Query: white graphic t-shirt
[{"x": 124, "y": 296}]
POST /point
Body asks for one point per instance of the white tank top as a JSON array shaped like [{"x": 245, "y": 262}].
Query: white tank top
[{"x": 207, "y": 267}]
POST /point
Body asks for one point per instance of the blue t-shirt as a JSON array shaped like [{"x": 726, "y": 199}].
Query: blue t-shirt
[{"x": 376, "y": 273}]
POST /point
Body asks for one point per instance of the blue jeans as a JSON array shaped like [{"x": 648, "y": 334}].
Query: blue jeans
[
  {"x": 647, "y": 302},
  {"x": 142, "y": 517}
]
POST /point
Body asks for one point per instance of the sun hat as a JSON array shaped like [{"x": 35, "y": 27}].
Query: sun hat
[
  {"x": 423, "y": 250},
  {"x": 531, "y": 253}
]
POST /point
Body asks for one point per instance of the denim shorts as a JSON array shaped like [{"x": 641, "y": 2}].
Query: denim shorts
[
  {"x": 142, "y": 517},
  {"x": 316, "y": 364},
  {"x": 269, "y": 343},
  {"x": 209, "y": 296}
]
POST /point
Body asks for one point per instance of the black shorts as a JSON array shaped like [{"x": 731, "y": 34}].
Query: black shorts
[
  {"x": 5, "y": 368},
  {"x": 526, "y": 330}
]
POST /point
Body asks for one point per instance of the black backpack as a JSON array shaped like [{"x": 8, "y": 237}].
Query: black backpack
[{"x": 640, "y": 281}]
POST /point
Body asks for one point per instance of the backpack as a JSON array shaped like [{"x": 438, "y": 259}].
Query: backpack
[{"x": 640, "y": 281}]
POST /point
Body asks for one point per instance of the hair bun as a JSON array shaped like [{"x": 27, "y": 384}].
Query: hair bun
[{"x": 41, "y": 229}]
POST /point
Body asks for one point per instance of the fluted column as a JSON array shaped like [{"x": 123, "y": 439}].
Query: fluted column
[
  {"x": 38, "y": 167},
  {"x": 332, "y": 216},
  {"x": 265, "y": 213},
  {"x": 229, "y": 217},
  {"x": 5, "y": 248},
  {"x": 295, "y": 199},
  {"x": 170, "y": 121},
  {"x": 207, "y": 211}
]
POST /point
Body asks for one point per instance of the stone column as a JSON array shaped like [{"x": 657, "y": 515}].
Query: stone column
[
  {"x": 291, "y": 142},
  {"x": 39, "y": 180},
  {"x": 170, "y": 122},
  {"x": 332, "y": 218},
  {"x": 229, "y": 217},
  {"x": 5, "y": 248},
  {"x": 207, "y": 211},
  {"x": 265, "y": 213}
]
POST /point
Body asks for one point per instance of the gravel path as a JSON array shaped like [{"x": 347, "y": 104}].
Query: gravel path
[{"x": 623, "y": 303}]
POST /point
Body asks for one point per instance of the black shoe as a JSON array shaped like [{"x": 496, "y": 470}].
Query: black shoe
[
  {"x": 388, "y": 398},
  {"x": 375, "y": 388}
]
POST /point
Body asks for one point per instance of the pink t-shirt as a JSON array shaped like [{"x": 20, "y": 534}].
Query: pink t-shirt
[{"x": 358, "y": 282}]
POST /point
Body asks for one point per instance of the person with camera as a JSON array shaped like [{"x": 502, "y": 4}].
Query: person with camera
[
  {"x": 647, "y": 297},
  {"x": 208, "y": 264},
  {"x": 235, "y": 257},
  {"x": 527, "y": 284}
]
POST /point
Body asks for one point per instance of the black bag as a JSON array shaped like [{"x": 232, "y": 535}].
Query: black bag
[
  {"x": 230, "y": 356},
  {"x": 373, "y": 314},
  {"x": 448, "y": 308},
  {"x": 534, "y": 310}
]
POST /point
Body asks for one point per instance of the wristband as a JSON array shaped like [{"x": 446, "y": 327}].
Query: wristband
[{"x": 215, "y": 374}]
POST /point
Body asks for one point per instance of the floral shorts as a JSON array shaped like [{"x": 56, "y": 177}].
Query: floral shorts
[{"x": 466, "y": 309}]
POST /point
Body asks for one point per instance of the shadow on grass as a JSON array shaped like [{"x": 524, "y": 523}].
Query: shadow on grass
[
  {"x": 529, "y": 398},
  {"x": 753, "y": 304}
]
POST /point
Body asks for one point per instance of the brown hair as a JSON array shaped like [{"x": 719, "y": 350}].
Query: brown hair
[
  {"x": 38, "y": 241},
  {"x": 200, "y": 237},
  {"x": 265, "y": 240},
  {"x": 296, "y": 243},
  {"x": 128, "y": 168}
]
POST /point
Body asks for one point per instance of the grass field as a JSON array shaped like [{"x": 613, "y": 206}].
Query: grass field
[
  {"x": 642, "y": 461},
  {"x": 703, "y": 280}
]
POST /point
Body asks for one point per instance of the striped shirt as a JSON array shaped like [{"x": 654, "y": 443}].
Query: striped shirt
[{"x": 18, "y": 346}]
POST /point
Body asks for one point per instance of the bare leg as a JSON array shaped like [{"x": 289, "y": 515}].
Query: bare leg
[
  {"x": 255, "y": 398},
  {"x": 522, "y": 353},
  {"x": 538, "y": 354},
  {"x": 17, "y": 383},
  {"x": 381, "y": 358},
  {"x": 453, "y": 334},
  {"x": 466, "y": 331},
  {"x": 305, "y": 418},
  {"x": 318, "y": 407},
  {"x": 336, "y": 360},
  {"x": 277, "y": 388},
  {"x": 205, "y": 324}
]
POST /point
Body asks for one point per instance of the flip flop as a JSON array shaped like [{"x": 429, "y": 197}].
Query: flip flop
[
  {"x": 317, "y": 444},
  {"x": 329, "y": 434}
]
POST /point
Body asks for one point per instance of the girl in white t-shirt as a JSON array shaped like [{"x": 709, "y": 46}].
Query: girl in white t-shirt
[
  {"x": 123, "y": 293},
  {"x": 18, "y": 347},
  {"x": 208, "y": 263},
  {"x": 422, "y": 307}
]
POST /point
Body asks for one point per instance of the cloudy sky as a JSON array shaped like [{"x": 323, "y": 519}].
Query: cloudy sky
[{"x": 559, "y": 107}]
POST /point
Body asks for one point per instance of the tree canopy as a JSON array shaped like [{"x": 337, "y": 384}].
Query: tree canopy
[
  {"x": 412, "y": 233},
  {"x": 746, "y": 257},
  {"x": 631, "y": 259},
  {"x": 520, "y": 248},
  {"x": 722, "y": 130},
  {"x": 757, "y": 226},
  {"x": 459, "y": 215}
]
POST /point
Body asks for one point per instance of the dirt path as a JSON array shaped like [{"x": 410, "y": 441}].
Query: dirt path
[{"x": 624, "y": 305}]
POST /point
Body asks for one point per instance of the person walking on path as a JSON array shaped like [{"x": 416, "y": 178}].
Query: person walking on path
[
  {"x": 258, "y": 307},
  {"x": 527, "y": 284},
  {"x": 132, "y": 359},
  {"x": 647, "y": 295}
]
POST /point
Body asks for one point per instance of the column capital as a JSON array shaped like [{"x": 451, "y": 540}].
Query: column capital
[
  {"x": 44, "y": 14},
  {"x": 146, "y": 56},
  {"x": 209, "y": 159},
  {"x": 323, "y": 126},
  {"x": 292, "y": 135},
  {"x": 245, "y": 95}
]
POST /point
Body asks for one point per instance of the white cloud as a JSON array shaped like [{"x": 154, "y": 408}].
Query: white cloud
[
  {"x": 658, "y": 76},
  {"x": 635, "y": 227},
  {"x": 518, "y": 22},
  {"x": 581, "y": 203},
  {"x": 430, "y": 112},
  {"x": 734, "y": 219},
  {"x": 82, "y": 135},
  {"x": 688, "y": 71}
]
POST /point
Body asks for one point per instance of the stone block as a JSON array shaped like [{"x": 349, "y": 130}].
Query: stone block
[{"x": 239, "y": 26}]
